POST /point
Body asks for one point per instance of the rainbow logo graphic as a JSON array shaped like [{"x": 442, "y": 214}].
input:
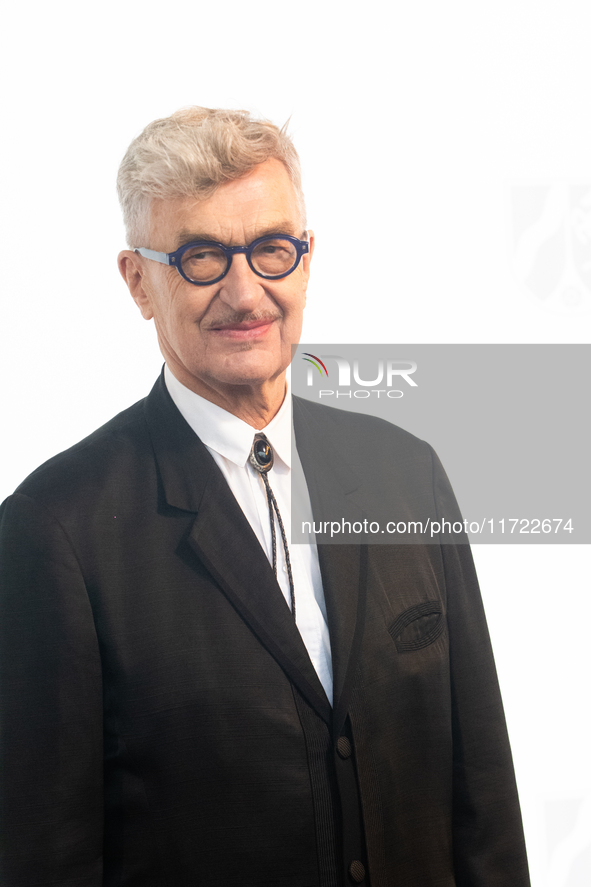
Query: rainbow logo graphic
[{"x": 315, "y": 361}]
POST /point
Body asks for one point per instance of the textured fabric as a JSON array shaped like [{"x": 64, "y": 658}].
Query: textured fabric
[{"x": 162, "y": 723}]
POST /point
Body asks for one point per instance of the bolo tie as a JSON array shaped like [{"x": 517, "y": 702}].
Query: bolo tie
[{"x": 261, "y": 458}]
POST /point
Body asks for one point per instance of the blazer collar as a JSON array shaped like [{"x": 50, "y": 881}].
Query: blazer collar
[
  {"x": 225, "y": 433},
  {"x": 191, "y": 481}
]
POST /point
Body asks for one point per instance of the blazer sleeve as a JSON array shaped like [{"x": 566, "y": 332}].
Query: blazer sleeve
[
  {"x": 489, "y": 847},
  {"x": 51, "y": 743}
]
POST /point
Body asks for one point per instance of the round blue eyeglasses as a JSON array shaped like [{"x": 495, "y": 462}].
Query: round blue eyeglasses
[{"x": 203, "y": 263}]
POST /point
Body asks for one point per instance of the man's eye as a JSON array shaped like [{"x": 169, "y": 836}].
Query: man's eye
[
  {"x": 274, "y": 247},
  {"x": 201, "y": 256}
]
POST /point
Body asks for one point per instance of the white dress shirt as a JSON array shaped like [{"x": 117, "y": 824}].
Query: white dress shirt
[{"x": 229, "y": 440}]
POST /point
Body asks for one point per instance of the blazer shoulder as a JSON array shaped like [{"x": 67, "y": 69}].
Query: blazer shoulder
[
  {"x": 357, "y": 426},
  {"x": 373, "y": 454}
]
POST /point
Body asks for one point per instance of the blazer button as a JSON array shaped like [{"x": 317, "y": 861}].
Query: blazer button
[
  {"x": 357, "y": 871},
  {"x": 344, "y": 747}
]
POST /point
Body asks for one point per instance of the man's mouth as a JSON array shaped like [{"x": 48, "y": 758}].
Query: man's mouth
[{"x": 242, "y": 329}]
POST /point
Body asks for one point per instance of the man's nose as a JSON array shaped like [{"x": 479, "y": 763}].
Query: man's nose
[{"x": 241, "y": 288}]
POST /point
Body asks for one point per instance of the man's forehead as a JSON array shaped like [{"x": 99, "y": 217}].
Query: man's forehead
[
  {"x": 238, "y": 232},
  {"x": 263, "y": 202}
]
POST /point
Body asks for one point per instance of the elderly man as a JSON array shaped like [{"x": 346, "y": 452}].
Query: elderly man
[{"x": 188, "y": 698}]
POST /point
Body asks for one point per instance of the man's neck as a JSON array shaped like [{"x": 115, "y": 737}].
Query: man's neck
[{"x": 256, "y": 405}]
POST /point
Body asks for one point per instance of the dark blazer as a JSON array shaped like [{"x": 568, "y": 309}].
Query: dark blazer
[{"x": 162, "y": 724}]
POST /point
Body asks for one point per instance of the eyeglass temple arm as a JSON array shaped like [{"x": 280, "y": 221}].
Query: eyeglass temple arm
[{"x": 163, "y": 258}]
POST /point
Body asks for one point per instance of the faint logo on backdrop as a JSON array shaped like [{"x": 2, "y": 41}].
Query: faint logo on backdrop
[
  {"x": 568, "y": 829},
  {"x": 551, "y": 249}
]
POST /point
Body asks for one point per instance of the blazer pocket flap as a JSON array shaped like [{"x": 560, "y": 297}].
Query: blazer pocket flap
[{"x": 418, "y": 626}]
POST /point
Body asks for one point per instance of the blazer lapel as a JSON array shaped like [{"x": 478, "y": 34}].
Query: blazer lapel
[
  {"x": 246, "y": 577},
  {"x": 333, "y": 482},
  {"x": 193, "y": 482}
]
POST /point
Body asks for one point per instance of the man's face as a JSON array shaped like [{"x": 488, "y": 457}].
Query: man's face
[{"x": 239, "y": 331}]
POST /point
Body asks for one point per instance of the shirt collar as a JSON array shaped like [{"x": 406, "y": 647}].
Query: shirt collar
[{"x": 224, "y": 432}]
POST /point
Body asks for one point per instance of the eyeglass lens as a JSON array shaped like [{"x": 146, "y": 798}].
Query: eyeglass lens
[{"x": 270, "y": 258}]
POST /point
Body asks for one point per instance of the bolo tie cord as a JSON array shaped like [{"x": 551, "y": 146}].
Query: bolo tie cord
[{"x": 261, "y": 458}]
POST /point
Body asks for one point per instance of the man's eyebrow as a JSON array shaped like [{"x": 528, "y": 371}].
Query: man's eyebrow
[{"x": 186, "y": 235}]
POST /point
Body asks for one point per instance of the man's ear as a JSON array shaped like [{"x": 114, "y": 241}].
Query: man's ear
[
  {"x": 307, "y": 259},
  {"x": 132, "y": 269}
]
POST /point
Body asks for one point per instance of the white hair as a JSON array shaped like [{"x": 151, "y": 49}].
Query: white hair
[{"x": 190, "y": 154}]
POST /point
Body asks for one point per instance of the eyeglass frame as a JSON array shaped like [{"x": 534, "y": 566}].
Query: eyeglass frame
[{"x": 175, "y": 258}]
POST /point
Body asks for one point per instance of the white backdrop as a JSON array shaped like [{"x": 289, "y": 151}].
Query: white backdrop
[{"x": 456, "y": 134}]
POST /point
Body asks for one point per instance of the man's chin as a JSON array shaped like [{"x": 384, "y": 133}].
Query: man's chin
[{"x": 247, "y": 366}]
